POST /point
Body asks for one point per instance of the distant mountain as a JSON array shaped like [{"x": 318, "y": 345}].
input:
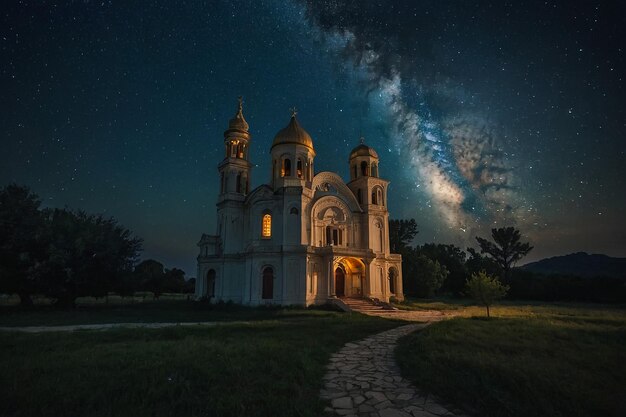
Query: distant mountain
[{"x": 580, "y": 264}]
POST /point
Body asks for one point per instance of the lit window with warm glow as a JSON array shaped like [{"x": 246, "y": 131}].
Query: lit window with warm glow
[{"x": 267, "y": 226}]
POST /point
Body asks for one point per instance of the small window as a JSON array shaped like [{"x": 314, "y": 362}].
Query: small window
[
  {"x": 374, "y": 170},
  {"x": 293, "y": 211},
  {"x": 286, "y": 171},
  {"x": 299, "y": 168},
  {"x": 266, "y": 231},
  {"x": 364, "y": 169},
  {"x": 374, "y": 199}
]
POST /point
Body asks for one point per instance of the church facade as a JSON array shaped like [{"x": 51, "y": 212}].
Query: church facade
[{"x": 304, "y": 237}]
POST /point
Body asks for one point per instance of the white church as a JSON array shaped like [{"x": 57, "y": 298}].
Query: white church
[{"x": 305, "y": 237}]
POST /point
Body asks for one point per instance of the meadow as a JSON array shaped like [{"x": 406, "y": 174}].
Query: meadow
[
  {"x": 529, "y": 359},
  {"x": 271, "y": 364}
]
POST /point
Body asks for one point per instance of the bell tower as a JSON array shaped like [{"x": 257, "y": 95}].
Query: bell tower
[
  {"x": 235, "y": 167},
  {"x": 371, "y": 192},
  {"x": 234, "y": 183}
]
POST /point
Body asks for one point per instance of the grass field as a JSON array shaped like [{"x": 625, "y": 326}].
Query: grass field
[
  {"x": 164, "y": 310},
  {"x": 530, "y": 360},
  {"x": 272, "y": 367}
]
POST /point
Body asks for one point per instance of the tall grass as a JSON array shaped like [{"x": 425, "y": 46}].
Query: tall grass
[{"x": 533, "y": 360}]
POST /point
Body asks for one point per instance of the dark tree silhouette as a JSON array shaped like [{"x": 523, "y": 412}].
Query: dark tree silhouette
[
  {"x": 21, "y": 245},
  {"x": 87, "y": 255},
  {"x": 453, "y": 258},
  {"x": 401, "y": 234},
  {"x": 506, "y": 248},
  {"x": 152, "y": 275}
]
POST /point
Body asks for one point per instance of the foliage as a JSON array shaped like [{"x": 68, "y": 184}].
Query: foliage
[
  {"x": 477, "y": 262},
  {"x": 453, "y": 259},
  {"x": 21, "y": 244},
  {"x": 151, "y": 274},
  {"x": 421, "y": 276},
  {"x": 87, "y": 255},
  {"x": 174, "y": 280},
  {"x": 401, "y": 234},
  {"x": 189, "y": 287},
  {"x": 506, "y": 248},
  {"x": 559, "y": 287},
  {"x": 485, "y": 289}
]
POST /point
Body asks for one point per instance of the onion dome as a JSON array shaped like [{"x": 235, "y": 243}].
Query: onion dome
[
  {"x": 293, "y": 133},
  {"x": 238, "y": 122},
  {"x": 363, "y": 150}
]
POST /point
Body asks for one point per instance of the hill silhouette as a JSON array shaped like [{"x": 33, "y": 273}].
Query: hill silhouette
[{"x": 580, "y": 264}]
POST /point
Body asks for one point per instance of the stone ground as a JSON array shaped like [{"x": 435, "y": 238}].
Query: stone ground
[{"x": 363, "y": 380}]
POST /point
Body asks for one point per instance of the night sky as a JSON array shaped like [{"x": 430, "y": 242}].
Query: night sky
[{"x": 484, "y": 114}]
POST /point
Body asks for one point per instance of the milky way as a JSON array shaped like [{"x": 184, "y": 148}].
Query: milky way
[{"x": 483, "y": 114}]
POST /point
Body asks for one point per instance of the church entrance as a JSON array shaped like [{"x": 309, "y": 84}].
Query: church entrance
[
  {"x": 340, "y": 283},
  {"x": 350, "y": 278}
]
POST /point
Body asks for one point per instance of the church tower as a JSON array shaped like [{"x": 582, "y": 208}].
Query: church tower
[
  {"x": 292, "y": 177},
  {"x": 234, "y": 182},
  {"x": 371, "y": 192}
]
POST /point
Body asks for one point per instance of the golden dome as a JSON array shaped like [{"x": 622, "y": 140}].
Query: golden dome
[
  {"x": 363, "y": 150},
  {"x": 238, "y": 122},
  {"x": 293, "y": 133}
]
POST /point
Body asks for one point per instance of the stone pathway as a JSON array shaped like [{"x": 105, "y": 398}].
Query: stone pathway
[
  {"x": 106, "y": 326},
  {"x": 363, "y": 380}
]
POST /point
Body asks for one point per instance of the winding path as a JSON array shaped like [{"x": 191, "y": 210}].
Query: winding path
[{"x": 363, "y": 380}]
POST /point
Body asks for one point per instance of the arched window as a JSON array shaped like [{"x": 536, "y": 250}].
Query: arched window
[
  {"x": 266, "y": 229},
  {"x": 267, "y": 292},
  {"x": 240, "y": 151},
  {"x": 374, "y": 197},
  {"x": 364, "y": 169},
  {"x": 299, "y": 170},
  {"x": 392, "y": 280},
  {"x": 374, "y": 170},
  {"x": 286, "y": 171},
  {"x": 379, "y": 196},
  {"x": 210, "y": 283},
  {"x": 293, "y": 211},
  {"x": 238, "y": 185}
]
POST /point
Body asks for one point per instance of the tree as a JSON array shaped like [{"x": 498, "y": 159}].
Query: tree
[
  {"x": 453, "y": 259},
  {"x": 87, "y": 255},
  {"x": 152, "y": 276},
  {"x": 421, "y": 275},
  {"x": 477, "y": 262},
  {"x": 174, "y": 280},
  {"x": 506, "y": 250},
  {"x": 401, "y": 234},
  {"x": 22, "y": 247},
  {"x": 485, "y": 289}
]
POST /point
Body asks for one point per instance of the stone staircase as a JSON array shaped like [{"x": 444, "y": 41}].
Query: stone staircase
[{"x": 364, "y": 305}]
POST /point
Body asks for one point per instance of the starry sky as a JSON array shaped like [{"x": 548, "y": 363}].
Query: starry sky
[{"x": 484, "y": 114}]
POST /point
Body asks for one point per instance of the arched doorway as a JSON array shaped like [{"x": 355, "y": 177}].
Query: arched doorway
[
  {"x": 340, "y": 283},
  {"x": 393, "y": 276},
  {"x": 268, "y": 283},
  {"x": 210, "y": 283}
]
